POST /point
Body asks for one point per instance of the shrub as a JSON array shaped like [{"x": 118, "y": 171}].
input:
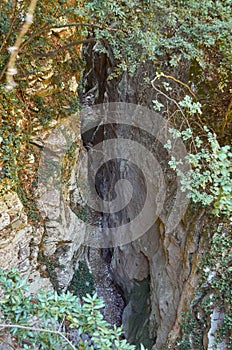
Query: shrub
[{"x": 52, "y": 321}]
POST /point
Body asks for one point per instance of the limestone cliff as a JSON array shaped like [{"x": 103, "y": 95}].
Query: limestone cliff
[
  {"x": 156, "y": 275},
  {"x": 45, "y": 253}
]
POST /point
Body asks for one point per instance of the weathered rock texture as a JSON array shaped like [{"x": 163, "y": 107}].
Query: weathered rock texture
[
  {"x": 47, "y": 253},
  {"x": 63, "y": 233},
  {"x": 158, "y": 271},
  {"x": 20, "y": 242},
  {"x": 44, "y": 251},
  {"x": 164, "y": 266}
]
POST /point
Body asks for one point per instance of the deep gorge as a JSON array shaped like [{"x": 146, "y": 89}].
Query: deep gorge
[
  {"x": 78, "y": 71},
  {"x": 156, "y": 272}
]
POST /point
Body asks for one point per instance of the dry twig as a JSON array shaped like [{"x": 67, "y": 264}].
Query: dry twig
[{"x": 11, "y": 69}]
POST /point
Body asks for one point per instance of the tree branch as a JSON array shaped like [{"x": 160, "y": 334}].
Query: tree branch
[
  {"x": 2, "y": 325},
  {"x": 64, "y": 47},
  {"x": 70, "y": 25},
  {"x": 177, "y": 81},
  {"x": 180, "y": 82},
  {"x": 176, "y": 103},
  {"x": 227, "y": 115},
  {"x": 11, "y": 70}
]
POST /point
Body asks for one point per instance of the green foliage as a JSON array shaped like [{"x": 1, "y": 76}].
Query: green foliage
[
  {"x": 11, "y": 139},
  {"x": 168, "y": 34},
  {"x": 164, "y": 33},
  {"x": 44, "y": 112},
  {"x": 82, "y": 282},
  {"x": 210, "y": 177},
  {"x": 217, "y": 264},
  {"x": 41, "y": 95},
  {"x": 57, "y": 314},
  {"x": 214, "y": 292},
  {"x": 8, "y": 22},
  {"x": 191, "y": 107},
  {"x": 177, "y": 30},
  {"x": 192, "y": 331},
  {"x": 30, "y": 205},
  {"x": 51, "y": 263},
  {"x": 209, "y": 181}
]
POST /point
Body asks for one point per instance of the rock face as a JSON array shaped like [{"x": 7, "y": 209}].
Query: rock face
[
  {"x": 63, "y": 235},
  {"x": 105, "y": 287},
  {"x": 158, "y": 275},
  {"x": 158, "y": 271},
  {"x": 20, "y": 242},
  {"x": 44, "y": 251},
  {"x": 46, "y": 254}
]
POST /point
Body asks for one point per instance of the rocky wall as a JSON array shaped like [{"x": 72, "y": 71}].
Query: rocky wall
[
  {"x": 157, "y": 272},
  {"x": 46, "y": 252}
]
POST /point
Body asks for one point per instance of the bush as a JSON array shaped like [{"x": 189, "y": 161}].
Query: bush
[
  {"x": 209, "y": 179},
  {"x": 52, "y": 321}
]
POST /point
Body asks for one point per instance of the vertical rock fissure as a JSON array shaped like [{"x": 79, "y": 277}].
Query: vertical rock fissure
[
  {"x": 106, "y": 287},
  {"x": 157, "y": 271},
  {"x": 130, "y": 306},
  {"x": 127, "y": 303},
  {"x": 98, "y": 259}
]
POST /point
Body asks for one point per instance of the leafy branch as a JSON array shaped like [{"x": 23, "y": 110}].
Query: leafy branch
[
  {"x": 175, "y": 102},
  {"x": 41, "y": 320},
  {"x": 176, "y": 80}
]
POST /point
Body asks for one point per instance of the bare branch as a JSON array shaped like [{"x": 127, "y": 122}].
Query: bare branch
[
  {"x": 227, "y": 116},
  {"x": 35, "y": 329},
  {"x": 177, "y": 81},
  {"x": 11, "y": 70},
  {"x": 69, "y": 25},
  {"x": 67, "y": 46},
  {"x": 175, "y": 102}
]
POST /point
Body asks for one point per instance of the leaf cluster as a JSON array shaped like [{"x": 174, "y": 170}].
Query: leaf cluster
[
  {"x": 213, "y": 293},
  {"x": 209, "y": 179},
  {"x": 49, "y": 319},
  {"x": 139, "y": 30}
]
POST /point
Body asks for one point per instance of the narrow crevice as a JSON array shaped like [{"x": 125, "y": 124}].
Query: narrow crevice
[{"x": 99, "y": 259}]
